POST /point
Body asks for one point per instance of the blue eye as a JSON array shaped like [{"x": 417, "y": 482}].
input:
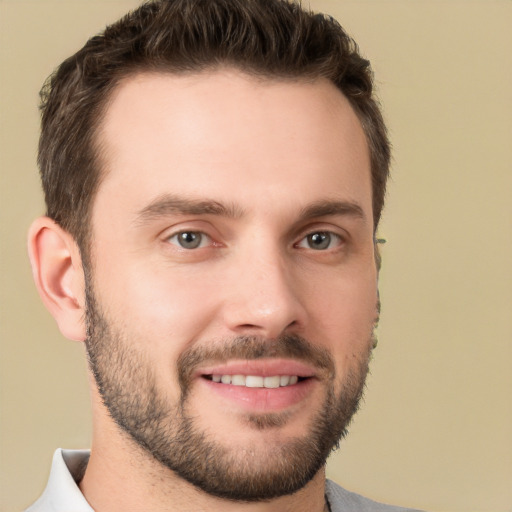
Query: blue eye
[
  {"x": 320, "y": 241},
  {"x": 189, "y": 239}
]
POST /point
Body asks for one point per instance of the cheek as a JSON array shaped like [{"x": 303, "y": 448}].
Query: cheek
[
  {"x": 161, "y": 312},
  {"x": 177, "y": 303},
  {"x": 344, "y": 317}
]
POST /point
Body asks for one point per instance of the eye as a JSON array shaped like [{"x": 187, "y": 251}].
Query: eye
[
  {"x": 189, "y": 239},
  {"x": 320, "y": 241}
]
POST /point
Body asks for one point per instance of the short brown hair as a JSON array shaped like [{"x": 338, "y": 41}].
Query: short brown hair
[{"x": 271, "y": 38}]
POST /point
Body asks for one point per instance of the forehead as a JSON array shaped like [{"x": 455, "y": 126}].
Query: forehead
[{"x": 225, "y": 134}]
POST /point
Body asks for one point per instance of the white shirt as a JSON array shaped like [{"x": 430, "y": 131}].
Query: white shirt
[{"x": 62, "y": 493}]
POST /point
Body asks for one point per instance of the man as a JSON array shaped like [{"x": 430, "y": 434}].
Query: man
[{"x": 214, "y": 173}]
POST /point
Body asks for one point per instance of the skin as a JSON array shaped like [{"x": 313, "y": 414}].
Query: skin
[{"x": 268, "y": 150}]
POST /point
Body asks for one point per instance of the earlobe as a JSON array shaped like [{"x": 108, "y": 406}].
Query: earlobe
[{"x": 58, "y": 275}]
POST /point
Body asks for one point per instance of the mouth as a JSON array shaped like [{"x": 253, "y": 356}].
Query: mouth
[
  {"x": 260, "y": 385},
  {"x": 256, "y": 381}
]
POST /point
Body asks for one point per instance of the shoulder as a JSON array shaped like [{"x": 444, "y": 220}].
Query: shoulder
[{"x": 341, "y": 500}]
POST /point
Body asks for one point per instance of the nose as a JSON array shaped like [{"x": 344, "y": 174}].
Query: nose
[{"x": 264, "y": 296}]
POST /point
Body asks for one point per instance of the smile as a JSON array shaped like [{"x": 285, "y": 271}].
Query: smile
[
  {"x": 255, "y": 381},
  {"x": 259, "y": 386}
]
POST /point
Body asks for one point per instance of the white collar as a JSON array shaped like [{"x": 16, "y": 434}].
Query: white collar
[{"x": 62, "y": 493}]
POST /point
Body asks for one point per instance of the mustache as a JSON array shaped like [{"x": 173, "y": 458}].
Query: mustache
[{"x": 290, "y": 346}]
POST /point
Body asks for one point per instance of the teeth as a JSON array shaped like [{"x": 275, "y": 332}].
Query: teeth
[
  {"x": 284, "y": 380},
  {"x": 238, "y": 380},
  {"x": 271, "y": 382},
  {"x": 256, "y": 381}
]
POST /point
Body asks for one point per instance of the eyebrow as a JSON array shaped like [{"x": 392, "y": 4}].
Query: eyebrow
[
  {"x": 327, "y": 208},
  {"x": 169, "y": 204}
]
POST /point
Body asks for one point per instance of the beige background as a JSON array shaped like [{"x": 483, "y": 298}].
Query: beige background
[{"x": 436, "y": 429}]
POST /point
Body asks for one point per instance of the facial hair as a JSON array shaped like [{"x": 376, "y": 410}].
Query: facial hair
[{"x": 169, "y": 433}]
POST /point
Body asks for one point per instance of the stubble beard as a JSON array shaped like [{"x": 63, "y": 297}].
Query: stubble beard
[{"x": 169, "y": 433}]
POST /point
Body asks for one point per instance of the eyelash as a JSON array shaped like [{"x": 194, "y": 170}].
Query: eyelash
[{"x": 306, "y": 239}]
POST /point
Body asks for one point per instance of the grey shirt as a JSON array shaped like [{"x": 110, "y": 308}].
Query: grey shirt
[
  {"x": 341, "y": 500},
  {"x": 63, "y": 495}
]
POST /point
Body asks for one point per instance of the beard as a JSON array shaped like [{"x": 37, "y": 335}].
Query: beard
[{"x": 169, "y": 433}]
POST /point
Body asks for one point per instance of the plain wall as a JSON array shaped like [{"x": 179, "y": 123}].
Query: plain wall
[{"x": 435, "y": 431}]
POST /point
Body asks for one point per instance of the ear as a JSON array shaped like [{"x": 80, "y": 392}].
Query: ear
[{"x": 58, "y": 274}]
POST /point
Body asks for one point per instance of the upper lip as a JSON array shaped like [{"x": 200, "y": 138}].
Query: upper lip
[{"x": 261, "y": 367}]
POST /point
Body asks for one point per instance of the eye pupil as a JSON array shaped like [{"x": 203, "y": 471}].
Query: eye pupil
[
  {"x": 319, "y": 240},
  {"x": 189, "y": 239}
]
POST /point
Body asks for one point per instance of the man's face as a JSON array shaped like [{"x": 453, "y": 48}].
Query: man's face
[{"x": 233, "y": 285}]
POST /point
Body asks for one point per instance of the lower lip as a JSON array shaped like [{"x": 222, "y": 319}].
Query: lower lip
[{"x": 262, "y": 399}]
